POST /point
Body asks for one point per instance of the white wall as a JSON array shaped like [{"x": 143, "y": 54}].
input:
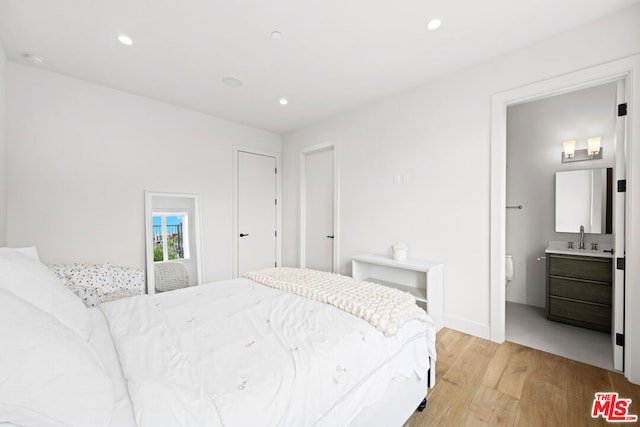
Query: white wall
[
  {"x": 3, "y": 147},
  {"x": 535, "y": 131},
  {"x": 439, "y": 134},
  {"x": 81, "y": 156}
]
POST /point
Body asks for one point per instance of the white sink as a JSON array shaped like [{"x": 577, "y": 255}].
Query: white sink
[{"x": 559, "y": 247}]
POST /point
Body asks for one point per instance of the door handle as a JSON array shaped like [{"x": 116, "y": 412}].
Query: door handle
[
  {"x": 242, "y": 234},
  {"x": 331, "y": 237}
]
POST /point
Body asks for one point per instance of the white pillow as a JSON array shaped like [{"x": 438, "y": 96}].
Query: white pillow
[
  {"x": 30, "y": 251},
  {"x": 48, "y": 374},
  {"x": 32, "y": 281}
]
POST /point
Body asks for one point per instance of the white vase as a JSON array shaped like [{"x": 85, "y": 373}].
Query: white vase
[{"x": 400, "y": 254}]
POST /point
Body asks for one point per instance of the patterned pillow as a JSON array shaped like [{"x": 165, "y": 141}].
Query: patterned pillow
[
  {"x": 89, "y": 295},
  {"x": 112, "y": 296},
  {"x": 92, "y": 275},
  {"x": 127, "y": 279},
  {"x": 98, "y": 283}
]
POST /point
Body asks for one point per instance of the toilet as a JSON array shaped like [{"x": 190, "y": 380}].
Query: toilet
[{"x": 509, "y": 270}]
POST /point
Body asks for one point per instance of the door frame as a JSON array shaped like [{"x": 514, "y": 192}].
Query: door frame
[
  {"x": 619, "y": 242},
  {"x": 622, "y": 69},
  {"x": 237, "y": 149},
  {"x": 302, "y": 198}
]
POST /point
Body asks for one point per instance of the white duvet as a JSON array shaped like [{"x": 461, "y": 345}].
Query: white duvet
[{"x": 236, "y": 353}]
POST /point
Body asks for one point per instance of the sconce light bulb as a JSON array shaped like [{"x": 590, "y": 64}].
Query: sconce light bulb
[
  {"x": 569, "y": 148},
  {"x": 593, "y": 145}
]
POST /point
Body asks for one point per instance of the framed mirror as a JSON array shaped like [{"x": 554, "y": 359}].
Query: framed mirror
[
  {"x": 173, "y": 252},
  {"x": 584, "y": 197}
]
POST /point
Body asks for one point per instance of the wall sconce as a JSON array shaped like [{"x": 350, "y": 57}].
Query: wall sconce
[{"x": 592, "y": 152}]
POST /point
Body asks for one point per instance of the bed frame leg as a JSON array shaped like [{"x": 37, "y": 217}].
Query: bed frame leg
[{"x": 422, "y": 405}]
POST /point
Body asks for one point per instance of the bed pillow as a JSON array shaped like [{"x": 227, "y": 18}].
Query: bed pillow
[
  {"x": 49, "y": 375},
  {"x": 30, "y": 251},
  {"x": 32, "y": 281}
]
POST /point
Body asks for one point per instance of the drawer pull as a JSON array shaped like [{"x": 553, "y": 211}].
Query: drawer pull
[
  {"x": 577, "y": 279},
  {"x": 579, "y": 301}
]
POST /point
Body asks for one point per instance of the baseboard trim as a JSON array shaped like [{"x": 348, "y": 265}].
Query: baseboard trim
[{"x": 468, "y": 327}]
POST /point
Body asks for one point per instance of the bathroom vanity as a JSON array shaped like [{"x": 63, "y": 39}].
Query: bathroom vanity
[
  {"x": 579, "y": 280},
  {"x": 578, "y": 288}
]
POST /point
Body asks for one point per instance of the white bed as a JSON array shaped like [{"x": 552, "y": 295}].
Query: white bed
[{"x": 229, "y": 353}]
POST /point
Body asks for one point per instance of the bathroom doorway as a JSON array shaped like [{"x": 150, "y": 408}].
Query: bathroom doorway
[
  {"x": 611, "y": 73},
  {"x": 535, "y": 132}
]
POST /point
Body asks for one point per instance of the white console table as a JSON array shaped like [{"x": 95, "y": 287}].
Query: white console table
[{"x": 422, "y": 278}]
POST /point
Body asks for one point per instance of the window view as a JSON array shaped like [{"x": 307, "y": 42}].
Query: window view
[{"x": 170, "y": 239}]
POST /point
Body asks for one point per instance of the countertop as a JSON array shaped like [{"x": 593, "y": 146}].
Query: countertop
[{"x": 559, "y": 247}]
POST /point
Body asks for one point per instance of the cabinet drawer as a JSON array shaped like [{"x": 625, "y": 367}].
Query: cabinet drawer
[
  {"x": 597, "y": 269},
  {"x": 576, "y": 289},
  {"x": 597, "y": 316}
]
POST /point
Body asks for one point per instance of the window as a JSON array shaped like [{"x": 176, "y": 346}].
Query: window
[{"x": 170, "y": 236}]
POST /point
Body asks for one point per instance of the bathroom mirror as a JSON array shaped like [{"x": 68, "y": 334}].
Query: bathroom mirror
[
  {"x": 584, "y": 197},
  {"x": 172, "y": 222}
]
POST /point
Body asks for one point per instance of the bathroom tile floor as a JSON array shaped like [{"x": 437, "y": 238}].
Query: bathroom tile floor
[{"x": 528, "y": 326}]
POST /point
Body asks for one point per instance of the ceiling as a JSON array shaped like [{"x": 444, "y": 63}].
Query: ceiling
[{"x": 332, "y": 56}]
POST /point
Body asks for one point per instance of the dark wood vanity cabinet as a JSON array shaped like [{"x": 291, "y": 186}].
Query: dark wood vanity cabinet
[{"x": 578, "y": 290}]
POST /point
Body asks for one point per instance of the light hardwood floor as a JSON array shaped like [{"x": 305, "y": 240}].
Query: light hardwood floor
[{"x": 481, "y": 383}]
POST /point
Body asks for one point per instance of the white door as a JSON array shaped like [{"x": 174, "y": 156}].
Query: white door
[
  {"x": 319, "y": 209},
  {"x": 256, "y": 211},
  {"x": 619, "y": 209}
]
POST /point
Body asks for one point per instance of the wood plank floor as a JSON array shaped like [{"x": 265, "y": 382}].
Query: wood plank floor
[{"x": 481, "y": 383}]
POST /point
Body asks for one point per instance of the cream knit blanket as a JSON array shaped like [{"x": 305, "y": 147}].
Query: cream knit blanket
[{"x": 383, "y": 307}]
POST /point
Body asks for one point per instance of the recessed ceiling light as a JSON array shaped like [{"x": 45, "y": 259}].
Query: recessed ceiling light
[
  {"x": 434, "y": 24},
  {"x": 34, "y": 59},
  {"x": 283, "y": 101},
  {"x": 125, "y": 39},
  {"x": 276, "y": 35},
  {"x": 232, "y": 81}
]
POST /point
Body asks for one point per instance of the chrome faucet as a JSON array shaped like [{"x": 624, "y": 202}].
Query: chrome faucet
[{"x": 581, "y": 237}]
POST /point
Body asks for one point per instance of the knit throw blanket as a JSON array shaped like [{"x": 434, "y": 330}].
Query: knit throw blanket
[{"x": 383, "y": 307}]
